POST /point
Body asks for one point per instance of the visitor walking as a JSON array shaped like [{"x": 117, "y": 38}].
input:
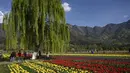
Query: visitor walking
[
  {"x": 48, "y": 56},
  {"x": 92, "y": 51},
  {"x": 39, "y": 54}
]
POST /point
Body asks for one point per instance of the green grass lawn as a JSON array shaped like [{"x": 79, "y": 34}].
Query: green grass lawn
[
  {"x": 4, "y": 68},
  {"x": 117, "y": 55}
]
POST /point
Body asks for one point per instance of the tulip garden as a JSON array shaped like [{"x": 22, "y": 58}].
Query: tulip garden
[{"x": 71, "y": 64}]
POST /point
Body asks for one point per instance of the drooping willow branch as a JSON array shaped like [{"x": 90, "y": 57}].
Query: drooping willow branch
[{"x": 37, "y": 22}]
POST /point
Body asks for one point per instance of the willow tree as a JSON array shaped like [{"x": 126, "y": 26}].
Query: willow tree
[{"x": 37, "y": 22}]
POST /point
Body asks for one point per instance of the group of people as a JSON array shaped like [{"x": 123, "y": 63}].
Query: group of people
[
  {"x": 23, "y": 56},
  {"x": 18, "y": 55}
]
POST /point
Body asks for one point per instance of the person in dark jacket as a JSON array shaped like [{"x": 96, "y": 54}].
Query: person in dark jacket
[
  {"x": 39, "y": 54},
  {"x": 12, "y": 56},
  {"x": 25, "y": 55}
]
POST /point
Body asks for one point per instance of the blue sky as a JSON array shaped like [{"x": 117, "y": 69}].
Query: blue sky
[{"x": 89, "y": 12}]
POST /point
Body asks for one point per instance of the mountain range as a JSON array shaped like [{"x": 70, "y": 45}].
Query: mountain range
[
  {"x": 109, "y": 34},
  {"x": 83, "y": 35}
]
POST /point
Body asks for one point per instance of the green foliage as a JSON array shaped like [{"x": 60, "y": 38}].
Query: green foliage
[
  {"x": 6, "y": 56},
  {"x": 34, "y": 23}
]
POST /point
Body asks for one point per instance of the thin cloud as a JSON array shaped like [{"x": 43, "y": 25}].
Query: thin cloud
[
  {"x": 66, "y": 7},
  {"x": 126, "y": 16}
]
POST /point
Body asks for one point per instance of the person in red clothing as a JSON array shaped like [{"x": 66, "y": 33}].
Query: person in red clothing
[
  {"x": 19, "y": 53},
  {"x": 19, "y": 56}
]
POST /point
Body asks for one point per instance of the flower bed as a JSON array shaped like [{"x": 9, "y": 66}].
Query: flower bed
[
  {"x": 99, "y": 66},
  {"x": 42, "y": 67},
  {"x": 16, "y": 68},
  {"x": 69, "y": 64}
]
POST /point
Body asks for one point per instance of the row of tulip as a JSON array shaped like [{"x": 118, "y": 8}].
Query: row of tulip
[
  {"x": 42, "y": 67},
  {"x": 94, "y": 67},
  {"x": 61, "y": 69},
  {"x": 16, "y": 68},
  {"x": 111, "y": 55},
  {"x": 119, "y": 61},
  {"x": 109, "y": 62},
  {"x": 38, "y": 68}
]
